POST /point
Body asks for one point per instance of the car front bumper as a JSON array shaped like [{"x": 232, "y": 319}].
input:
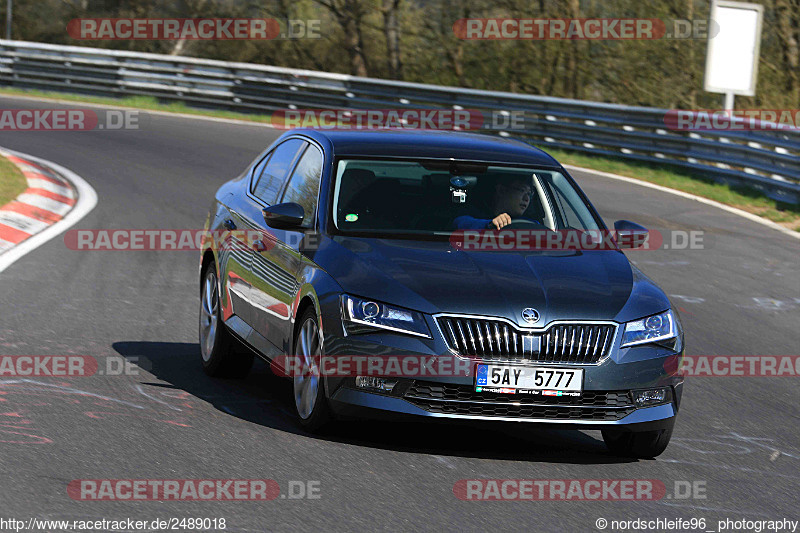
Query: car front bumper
[
  {"x": 606, "y": 400},
  {"x": 351, "y": 403}
]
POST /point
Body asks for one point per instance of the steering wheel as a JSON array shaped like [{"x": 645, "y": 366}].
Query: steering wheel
[{"x": 523, "y": 223}]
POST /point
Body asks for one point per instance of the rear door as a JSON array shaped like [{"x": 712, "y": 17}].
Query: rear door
[{"x": 234, "y": 259}]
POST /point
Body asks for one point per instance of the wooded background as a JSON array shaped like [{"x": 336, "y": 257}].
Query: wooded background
[{"x": 413, "y": 40}]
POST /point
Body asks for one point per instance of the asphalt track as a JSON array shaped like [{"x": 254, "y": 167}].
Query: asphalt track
[{"x": 737, "y": 437}]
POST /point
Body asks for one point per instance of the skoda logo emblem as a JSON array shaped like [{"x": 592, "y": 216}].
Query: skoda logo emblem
[{"x": 530, "y": 315}]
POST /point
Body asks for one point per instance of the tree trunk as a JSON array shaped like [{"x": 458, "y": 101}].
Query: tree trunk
[
  {"x": 355, "y": 46},
  {"x": 691, "y": 96},
  {"x": 573, "y": 71},
  {"x": 788, "y": 15},
  {"x": 348, "y": 14},
  {"x": 391, "y": 29}
]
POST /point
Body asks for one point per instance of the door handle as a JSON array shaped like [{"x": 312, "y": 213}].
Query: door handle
[{"x": 229, "y": 224}]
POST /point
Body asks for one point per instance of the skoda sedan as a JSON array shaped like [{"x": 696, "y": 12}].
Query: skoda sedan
[{"x": 365, "y": 267}]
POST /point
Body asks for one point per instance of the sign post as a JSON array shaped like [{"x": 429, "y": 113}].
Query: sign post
[{"x": 732, "y": 56}]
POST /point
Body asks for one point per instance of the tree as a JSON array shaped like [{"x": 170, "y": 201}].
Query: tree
[{"x": 349, "y": 14}]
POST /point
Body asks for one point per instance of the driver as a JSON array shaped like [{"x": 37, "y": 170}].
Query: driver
[{"x": 511, "y": 199}]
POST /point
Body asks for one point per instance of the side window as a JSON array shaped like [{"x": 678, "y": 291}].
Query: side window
[
  {"x": 304, "y": 184},
  {"x": 273, "y": 176},
  {"x": 570, "y": 216},
  {"x": 572, "y": 210}
]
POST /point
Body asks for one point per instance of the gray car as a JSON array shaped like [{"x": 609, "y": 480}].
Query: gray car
[{"x": 340, "y": 256}]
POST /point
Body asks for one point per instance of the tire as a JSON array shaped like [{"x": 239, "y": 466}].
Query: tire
[
  {"x": 308, "y": 391},
  {"x": 221, "y": 353},
  {"x": 640, "y": 444}
]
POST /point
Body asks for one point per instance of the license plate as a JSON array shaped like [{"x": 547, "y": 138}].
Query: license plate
[{"x": 540, "y": 380}]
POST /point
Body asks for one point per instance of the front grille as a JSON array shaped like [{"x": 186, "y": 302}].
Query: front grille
[
  {"x": 496, "y": 340},
  {"x": 463, "y": 400}
]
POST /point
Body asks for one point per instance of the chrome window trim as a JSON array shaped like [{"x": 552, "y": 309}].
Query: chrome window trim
[
  {"x": 251, "y": 194},
  {"x": 309, "y": 141},
  {"x": 537, "y": 331},
  {"x": 301, "y": 155}
]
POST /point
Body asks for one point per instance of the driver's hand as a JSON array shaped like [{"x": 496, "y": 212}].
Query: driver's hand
[{"x": 501, "y": 220}]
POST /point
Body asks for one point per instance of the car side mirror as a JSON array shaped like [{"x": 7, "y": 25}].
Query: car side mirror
[
  {"x": 286, "y": 215},
  {"x": 630, "y": 234}
]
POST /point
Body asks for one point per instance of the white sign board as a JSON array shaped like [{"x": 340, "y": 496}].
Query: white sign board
[{"x": 732, "y": 57}]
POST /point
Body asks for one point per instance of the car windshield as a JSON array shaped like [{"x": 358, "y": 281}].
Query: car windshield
[{"x": 417, "y": 198}]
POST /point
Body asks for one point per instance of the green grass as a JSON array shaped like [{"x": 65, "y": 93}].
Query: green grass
[
  {"x": 12, "y": 181},
  {"x": 747, "y": 199},
  {"x": 138, "y": 102}
]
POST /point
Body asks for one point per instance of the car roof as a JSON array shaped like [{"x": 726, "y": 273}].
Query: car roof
[{"x": 429, "y": 144}]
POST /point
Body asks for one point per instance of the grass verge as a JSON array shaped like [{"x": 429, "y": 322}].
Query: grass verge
[
  {"x": 746, "y": 199},
  {"x": 138, "y": 102},
  {"x": 12, "y": 181}
]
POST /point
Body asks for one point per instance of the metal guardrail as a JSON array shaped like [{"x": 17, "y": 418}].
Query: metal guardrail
[{"x": 768, "y": 160}]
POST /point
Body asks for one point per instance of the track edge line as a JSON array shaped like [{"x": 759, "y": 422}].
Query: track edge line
[
  {"x": 734, "y": 210},
  {"x": 86, "y": 201}
]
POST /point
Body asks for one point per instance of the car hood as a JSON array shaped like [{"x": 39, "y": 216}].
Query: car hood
[{"x": 435, "y": 277}]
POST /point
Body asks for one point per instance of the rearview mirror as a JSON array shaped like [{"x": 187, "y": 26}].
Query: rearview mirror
[
  {"x": 630, "y": 234},
  {"x": 285, "y": 215}
]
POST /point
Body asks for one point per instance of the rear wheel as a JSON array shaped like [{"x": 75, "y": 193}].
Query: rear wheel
[
  {"x": 222, "y": 354},
  {"x": 641, "y": 444},
  {"x": 310, "y": 403}
]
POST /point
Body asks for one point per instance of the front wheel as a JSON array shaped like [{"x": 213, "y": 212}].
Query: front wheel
[
  {"x": 222, "y": 354},
  {"x": 640, "y": 444},
  {"x": 310, "y": 403}
]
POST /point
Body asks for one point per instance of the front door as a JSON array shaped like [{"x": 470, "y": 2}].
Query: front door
[{"x": 276, "y": 265}]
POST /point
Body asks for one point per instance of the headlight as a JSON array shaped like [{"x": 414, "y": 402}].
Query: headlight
[
  {"x": 364, "y": 316},
  {"x": 655, "y": 329}
]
